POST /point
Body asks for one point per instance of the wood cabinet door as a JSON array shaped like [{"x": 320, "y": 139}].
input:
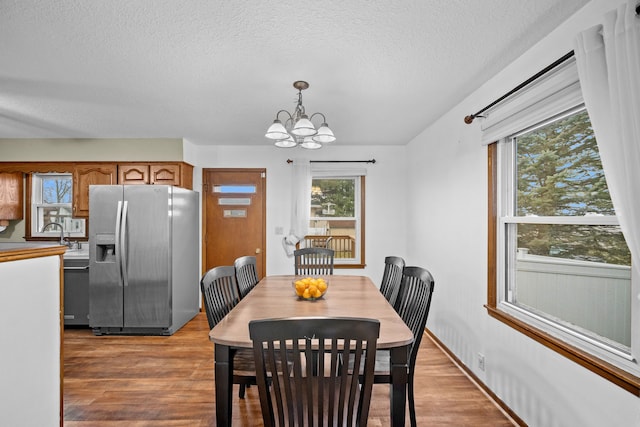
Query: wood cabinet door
[
  {"x": 166, "y": 174},
  {"x": 11, "y": 195},
  {"x": 133, "y": 174},
  {"x": 83, "y": 177}
]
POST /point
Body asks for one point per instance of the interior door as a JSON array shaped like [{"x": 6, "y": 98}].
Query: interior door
[{"x": 234, "y": 212}]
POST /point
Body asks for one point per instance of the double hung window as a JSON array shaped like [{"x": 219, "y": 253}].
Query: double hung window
[
  {"x": 336, "y": 218},
  {"x": 51, "y": 202},
  {"x": 560, "y": 269}
]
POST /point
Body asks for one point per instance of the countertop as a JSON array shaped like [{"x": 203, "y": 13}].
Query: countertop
[
  {"x": 30, "y": 246},
  {"x": 17, "y": 251}
]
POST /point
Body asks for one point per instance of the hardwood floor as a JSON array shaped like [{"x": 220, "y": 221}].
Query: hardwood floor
[{"x": 168, "y": 382}]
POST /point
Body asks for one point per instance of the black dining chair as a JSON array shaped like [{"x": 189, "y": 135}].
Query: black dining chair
[
  {"x": 313, "y": 261},
  {"x": 412, "y": 305},
  {"x": 391, "y": 278},
  {"x": 246, "y": 274},
  {"x": 300, "y": 393},
  {"x": 221, "y": 294}
]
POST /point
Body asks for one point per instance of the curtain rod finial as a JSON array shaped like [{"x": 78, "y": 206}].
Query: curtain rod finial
[{"x": 469, "y": 119}]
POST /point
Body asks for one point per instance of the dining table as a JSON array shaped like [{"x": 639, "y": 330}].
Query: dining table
[{"x": 274, "y": 297}]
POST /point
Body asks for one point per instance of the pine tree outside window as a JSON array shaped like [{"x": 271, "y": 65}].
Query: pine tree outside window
[{"x": 566, "y": 263}]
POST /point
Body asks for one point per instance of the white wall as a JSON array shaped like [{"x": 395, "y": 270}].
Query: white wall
[
  {"x": 77, "y": 150},
  {"x": 448, "y": 235},
  {"x": 386, "y": 195}
]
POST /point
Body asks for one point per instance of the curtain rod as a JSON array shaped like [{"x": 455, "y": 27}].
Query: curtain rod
[
  {"x": 338, "y": 161},
  {"x": 469, "y": 119}
]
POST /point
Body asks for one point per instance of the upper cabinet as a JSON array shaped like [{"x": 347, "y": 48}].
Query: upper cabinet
[
  {"x": 11, "y": 196},
  {"x": 133, "y": 174},
  {"x": 178, "y": 173},
  {"x": 165, "y": 174},
  {"x": 148, "y": 173},
  {"x": 89, "y": 174}
]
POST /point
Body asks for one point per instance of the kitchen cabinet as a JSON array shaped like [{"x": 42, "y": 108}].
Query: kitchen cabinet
[
  {"x": 11, "y": 196},
  {"x": 90, "y": 174},
  {"x": 132, "y": 174},
  {"x": 166, "y": 173}
]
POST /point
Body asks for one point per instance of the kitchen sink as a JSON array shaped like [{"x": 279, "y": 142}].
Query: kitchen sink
[{"x": 78, "y": 253}]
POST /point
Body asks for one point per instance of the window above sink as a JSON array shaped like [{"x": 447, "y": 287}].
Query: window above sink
[{"x": 51, "y": 202}]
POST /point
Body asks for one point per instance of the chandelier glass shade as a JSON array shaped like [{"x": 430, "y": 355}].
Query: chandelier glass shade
[{"x": 297, "y": 129}]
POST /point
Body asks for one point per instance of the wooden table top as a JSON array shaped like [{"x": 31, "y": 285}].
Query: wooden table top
[{"x": 347, "y": 296}]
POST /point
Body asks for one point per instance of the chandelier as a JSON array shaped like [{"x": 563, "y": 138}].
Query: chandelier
[{"x": 297, "y": 128}]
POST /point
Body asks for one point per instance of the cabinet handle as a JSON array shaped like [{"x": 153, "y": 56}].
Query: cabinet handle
[{"x": 77, "y": 268}]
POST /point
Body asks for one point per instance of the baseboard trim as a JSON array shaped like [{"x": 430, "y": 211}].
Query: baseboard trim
[{"x": 496, "y": 400}]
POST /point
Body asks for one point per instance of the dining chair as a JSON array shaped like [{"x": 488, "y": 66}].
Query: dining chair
[
  {"x": 313, "y": 261},
  {"x": 412, "y": 305},
  {"x": 391, "y": 278},
  {"x": 220, "y": 290},
  {"x": 302, "y": 394},
  {"x": 246, "y": 274}
]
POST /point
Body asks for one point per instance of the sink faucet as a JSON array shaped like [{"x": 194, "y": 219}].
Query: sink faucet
[{"x": 62, "y": 242}]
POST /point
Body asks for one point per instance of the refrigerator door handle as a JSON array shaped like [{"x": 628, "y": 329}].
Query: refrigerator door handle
[
  {"x": 118, "y": 242},
  {"x": 123, "y": 244}
]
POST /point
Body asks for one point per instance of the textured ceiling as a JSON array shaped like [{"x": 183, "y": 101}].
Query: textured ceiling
[{"x": 216, "y": 72}]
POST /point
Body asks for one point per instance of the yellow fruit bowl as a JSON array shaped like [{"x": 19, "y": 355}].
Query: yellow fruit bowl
[{"x": 310, "y": 288}]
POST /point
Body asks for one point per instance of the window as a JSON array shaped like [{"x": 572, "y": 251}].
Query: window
[
  {"x": 51, "y": 202},
  {"x": 566, "y": 260},
  {"x": 559, "y": 269},
  {"x": 563, "y": 264},
  {"x": 337, "y": 218}
]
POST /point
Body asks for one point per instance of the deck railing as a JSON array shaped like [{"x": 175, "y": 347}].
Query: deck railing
[
  {"x": 343, "y": 246},
  {"x": 590, "y": 295}
]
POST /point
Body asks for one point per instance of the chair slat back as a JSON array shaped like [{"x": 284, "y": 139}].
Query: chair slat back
[
  {"x": 303, "y": 359},
  {"x": 220, "y": 291},
  {"x": 391, "y": 278},
  {"x": 246, "y": 274},
  {"x": 313, "y": 261},
  {"x": 412, "y": 304}
]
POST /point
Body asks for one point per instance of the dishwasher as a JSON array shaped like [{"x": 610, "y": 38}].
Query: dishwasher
[{"x": 76, "y": 292}]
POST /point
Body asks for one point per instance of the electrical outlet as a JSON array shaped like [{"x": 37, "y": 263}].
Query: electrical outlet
[{"x": 481, "y": 361}]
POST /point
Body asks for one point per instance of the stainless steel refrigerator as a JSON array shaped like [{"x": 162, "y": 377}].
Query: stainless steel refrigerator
[{"x": 144, "y": 262}]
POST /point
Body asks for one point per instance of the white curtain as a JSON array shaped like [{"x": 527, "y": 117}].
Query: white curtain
[
  {"x": 300, "y": 204},
  {"x": 608, "y": 59}
]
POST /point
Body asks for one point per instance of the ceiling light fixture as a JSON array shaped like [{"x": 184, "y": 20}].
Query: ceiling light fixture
[{"x": 297, "y": 128}]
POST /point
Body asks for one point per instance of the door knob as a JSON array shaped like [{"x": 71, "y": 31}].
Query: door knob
[{"x": 258, "y": 250}]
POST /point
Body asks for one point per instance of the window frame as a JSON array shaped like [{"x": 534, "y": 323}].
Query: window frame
[
  {"x": 359, "y": 211},
  {"x": 612, "y": 368},
  {"x": 31, "y": 230}
]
